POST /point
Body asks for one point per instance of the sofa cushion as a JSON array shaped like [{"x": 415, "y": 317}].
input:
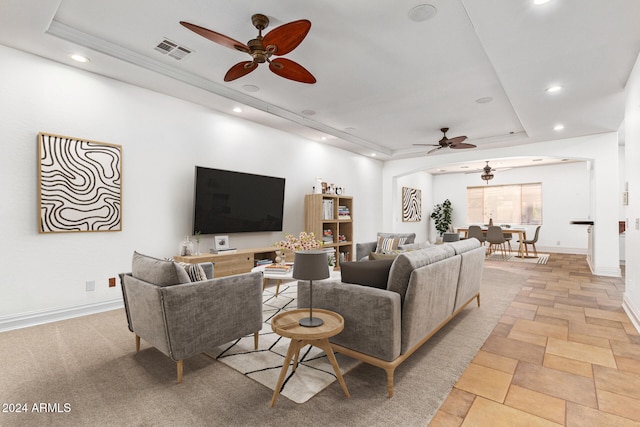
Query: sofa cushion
[
  {"x": 194, "y": 271},
  {"x": 158, "y": 271},
  {"x": 374, "y": 274},
  {"x": 376, "y": 256},
  {"x": 414, "y": 246},
  {"x": 463, "y": 246},
  {"x": 406, "y": 262}
]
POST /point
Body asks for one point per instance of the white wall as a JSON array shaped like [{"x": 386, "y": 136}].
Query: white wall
[
  {"x": 601, "y": 151},
  {"x": 559, "y": 208},
  {"x": 162, "y": 139},
  {"x": 632, "y": 214}
]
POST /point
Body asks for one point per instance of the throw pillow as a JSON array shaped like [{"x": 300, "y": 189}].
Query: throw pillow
[
  {"x": 373, "y": 256},
  {"x": 194, "y": 271},
  {"x": 158, "y": 271},
  {"x": 389, "y": 244},
  {"x": 373, "y": 273}
]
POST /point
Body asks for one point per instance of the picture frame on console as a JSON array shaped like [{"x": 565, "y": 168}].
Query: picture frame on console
[{"x": 221, "y": 243}]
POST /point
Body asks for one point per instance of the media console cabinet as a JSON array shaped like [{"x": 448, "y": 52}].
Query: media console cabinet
[{"x": 233, "y": 262}]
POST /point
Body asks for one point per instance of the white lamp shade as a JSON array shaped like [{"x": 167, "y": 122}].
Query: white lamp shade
[{"x": 310, "y": 265}]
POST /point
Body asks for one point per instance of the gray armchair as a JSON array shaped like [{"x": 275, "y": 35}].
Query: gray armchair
[{"x": 183, "y": 318}]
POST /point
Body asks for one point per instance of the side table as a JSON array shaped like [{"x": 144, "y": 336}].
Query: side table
[{"x": 286, "y": 324}]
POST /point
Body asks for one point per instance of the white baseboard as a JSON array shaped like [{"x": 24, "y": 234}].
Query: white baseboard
[
  {"x": 24, "y": 320},
  {"x": 632, "y": 311}
]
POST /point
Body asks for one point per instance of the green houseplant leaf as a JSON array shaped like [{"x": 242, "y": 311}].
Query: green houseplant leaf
[{"x": 442, "y": 216}]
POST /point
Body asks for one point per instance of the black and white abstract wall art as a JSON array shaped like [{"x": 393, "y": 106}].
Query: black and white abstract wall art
[
  {"x": 80, "y": 185},
  {"x": 411, "y": 204}
]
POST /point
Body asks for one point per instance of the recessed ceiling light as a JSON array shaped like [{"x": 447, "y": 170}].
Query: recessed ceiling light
[
  {"x": 558, "y": 127},
  {"x": 536, "y": 160},
  {"x": 539, "y": 2},
  {"x": 237, "y": 110},
  {"x": 308, "y": 112},
  {"x": 324, "y": 138},
  {"x": 250, "y": 88},
  {"x": 422, "y": 12},
  {"x": 79, "y": 58},
  {"x": 484, "y": 100},
  {"x": 552, "y": 89},
  {"x": 373, "y": 154},
  {"x": 349, "y": 129},
  {"x": 464, "y": 167}
]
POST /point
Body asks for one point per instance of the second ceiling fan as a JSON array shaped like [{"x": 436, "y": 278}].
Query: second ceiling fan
[
  {"x": 279, "y": 41},
  {"x": 455, "y": 143}
]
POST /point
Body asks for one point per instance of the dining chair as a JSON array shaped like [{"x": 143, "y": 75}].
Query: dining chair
[
  {"x": 495, "y": 237},
  {"x": 476, "y": 231},
  {"x": 532, "y": 242},
  {"x": 507, "y": 237}
]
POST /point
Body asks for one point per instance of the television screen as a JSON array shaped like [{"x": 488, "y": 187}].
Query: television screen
[{"x": 236, "y": 202}]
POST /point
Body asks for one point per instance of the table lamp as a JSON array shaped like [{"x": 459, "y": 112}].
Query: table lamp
[{"x": 310, "y": 265}]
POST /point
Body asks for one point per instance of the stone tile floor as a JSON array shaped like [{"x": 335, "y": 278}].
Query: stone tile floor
[{"x": 564, "y": 354}]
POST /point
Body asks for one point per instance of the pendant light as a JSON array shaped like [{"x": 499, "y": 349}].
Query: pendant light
[{"x": 487, "y": 175}]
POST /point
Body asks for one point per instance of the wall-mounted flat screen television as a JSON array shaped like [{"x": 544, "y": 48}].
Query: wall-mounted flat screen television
[{"x": 236, "y": 202}]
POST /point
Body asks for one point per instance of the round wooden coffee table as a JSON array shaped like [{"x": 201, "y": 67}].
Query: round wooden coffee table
[{"x": 286, "y": 324}]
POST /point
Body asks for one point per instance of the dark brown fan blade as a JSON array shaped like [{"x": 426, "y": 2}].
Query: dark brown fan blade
[
  {"x": 239, "y": 70},
  {"x": 291, "y": 70},
  {"x": 216, "y": 37},
  {"x": 287, "y": 37},
  {"x": 462, "y": 145},
  {"x": 456, "y": 140},
  {"x": 435, "y": 149}
]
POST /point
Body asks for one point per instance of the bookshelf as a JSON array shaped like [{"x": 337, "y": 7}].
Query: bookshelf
[{"x": 330, "y": 218}]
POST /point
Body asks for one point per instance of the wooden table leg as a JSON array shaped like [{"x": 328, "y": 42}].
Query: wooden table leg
[
  {"x": 294, "y": 348},
  {"x": 324, "y": 345}
]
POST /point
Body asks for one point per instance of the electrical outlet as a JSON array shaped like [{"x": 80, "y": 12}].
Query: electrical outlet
[
  {"x": 112, "y": 282},
  {"x": 90, "y": 285},
  {"x": 637, "y": 223},
  {"x": 558, "y": 243}
]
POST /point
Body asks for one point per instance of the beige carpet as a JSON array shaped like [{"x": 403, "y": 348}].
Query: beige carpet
[{"x": 89, "y": 366}]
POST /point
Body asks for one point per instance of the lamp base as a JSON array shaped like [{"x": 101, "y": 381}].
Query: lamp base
[{"x": 310, "y": 322}]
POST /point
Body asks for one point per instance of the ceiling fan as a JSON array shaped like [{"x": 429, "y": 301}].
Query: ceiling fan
[
  {"x": 279, "y": 41},
  {"x": 455, "y": 143}
]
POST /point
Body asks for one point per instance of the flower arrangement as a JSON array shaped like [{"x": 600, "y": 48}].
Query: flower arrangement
[{"x": 304, "y": 242}]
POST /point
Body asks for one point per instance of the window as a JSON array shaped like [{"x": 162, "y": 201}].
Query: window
[{"x": 505, "y": 204}]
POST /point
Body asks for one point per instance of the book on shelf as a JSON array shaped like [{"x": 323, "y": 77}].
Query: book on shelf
[
  {"x": 260, "y": 262},
  {"x": 344, "y": 212},
  {"x": 327, "y": 209},
  {"x": 277, "y": 268}
]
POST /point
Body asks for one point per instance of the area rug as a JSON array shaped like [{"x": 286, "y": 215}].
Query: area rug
[
  {"x": 314, "y": 372},
  {"x": 540, "y": 259}
]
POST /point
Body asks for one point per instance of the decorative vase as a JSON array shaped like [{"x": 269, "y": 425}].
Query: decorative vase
[
  {"x": 186, "y": 247},
  {"x": 278, "y": 257}
]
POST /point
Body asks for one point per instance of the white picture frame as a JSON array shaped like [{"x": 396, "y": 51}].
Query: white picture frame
[{"x": 221, "y": 242}]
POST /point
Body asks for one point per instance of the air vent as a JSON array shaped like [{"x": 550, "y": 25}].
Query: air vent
[{"x": 167, "y": 47}]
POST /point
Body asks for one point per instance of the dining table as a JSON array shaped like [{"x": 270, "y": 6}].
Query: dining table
[{"x": 521, "y": 232}]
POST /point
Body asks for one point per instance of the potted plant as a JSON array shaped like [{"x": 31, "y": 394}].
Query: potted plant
[{"x": 442, "y": 216}]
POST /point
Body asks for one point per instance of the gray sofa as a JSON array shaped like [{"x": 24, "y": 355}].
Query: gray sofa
[
  {"x": 183, "y": 318},
  {"x": 425, "y": 289}
]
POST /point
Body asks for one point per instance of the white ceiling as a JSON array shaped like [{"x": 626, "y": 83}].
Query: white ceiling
[{"x": 384, "y": 82}]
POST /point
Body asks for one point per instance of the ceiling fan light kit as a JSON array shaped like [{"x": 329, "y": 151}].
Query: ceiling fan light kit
[
  {"x": 279, "y": 41},
  {"x": 486, "y": 174}
]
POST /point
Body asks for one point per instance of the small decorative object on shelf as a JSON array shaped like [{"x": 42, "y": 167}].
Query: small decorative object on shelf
[
  {"x": 186, "y": 247},
  {"x": 279, "y": 257}
]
